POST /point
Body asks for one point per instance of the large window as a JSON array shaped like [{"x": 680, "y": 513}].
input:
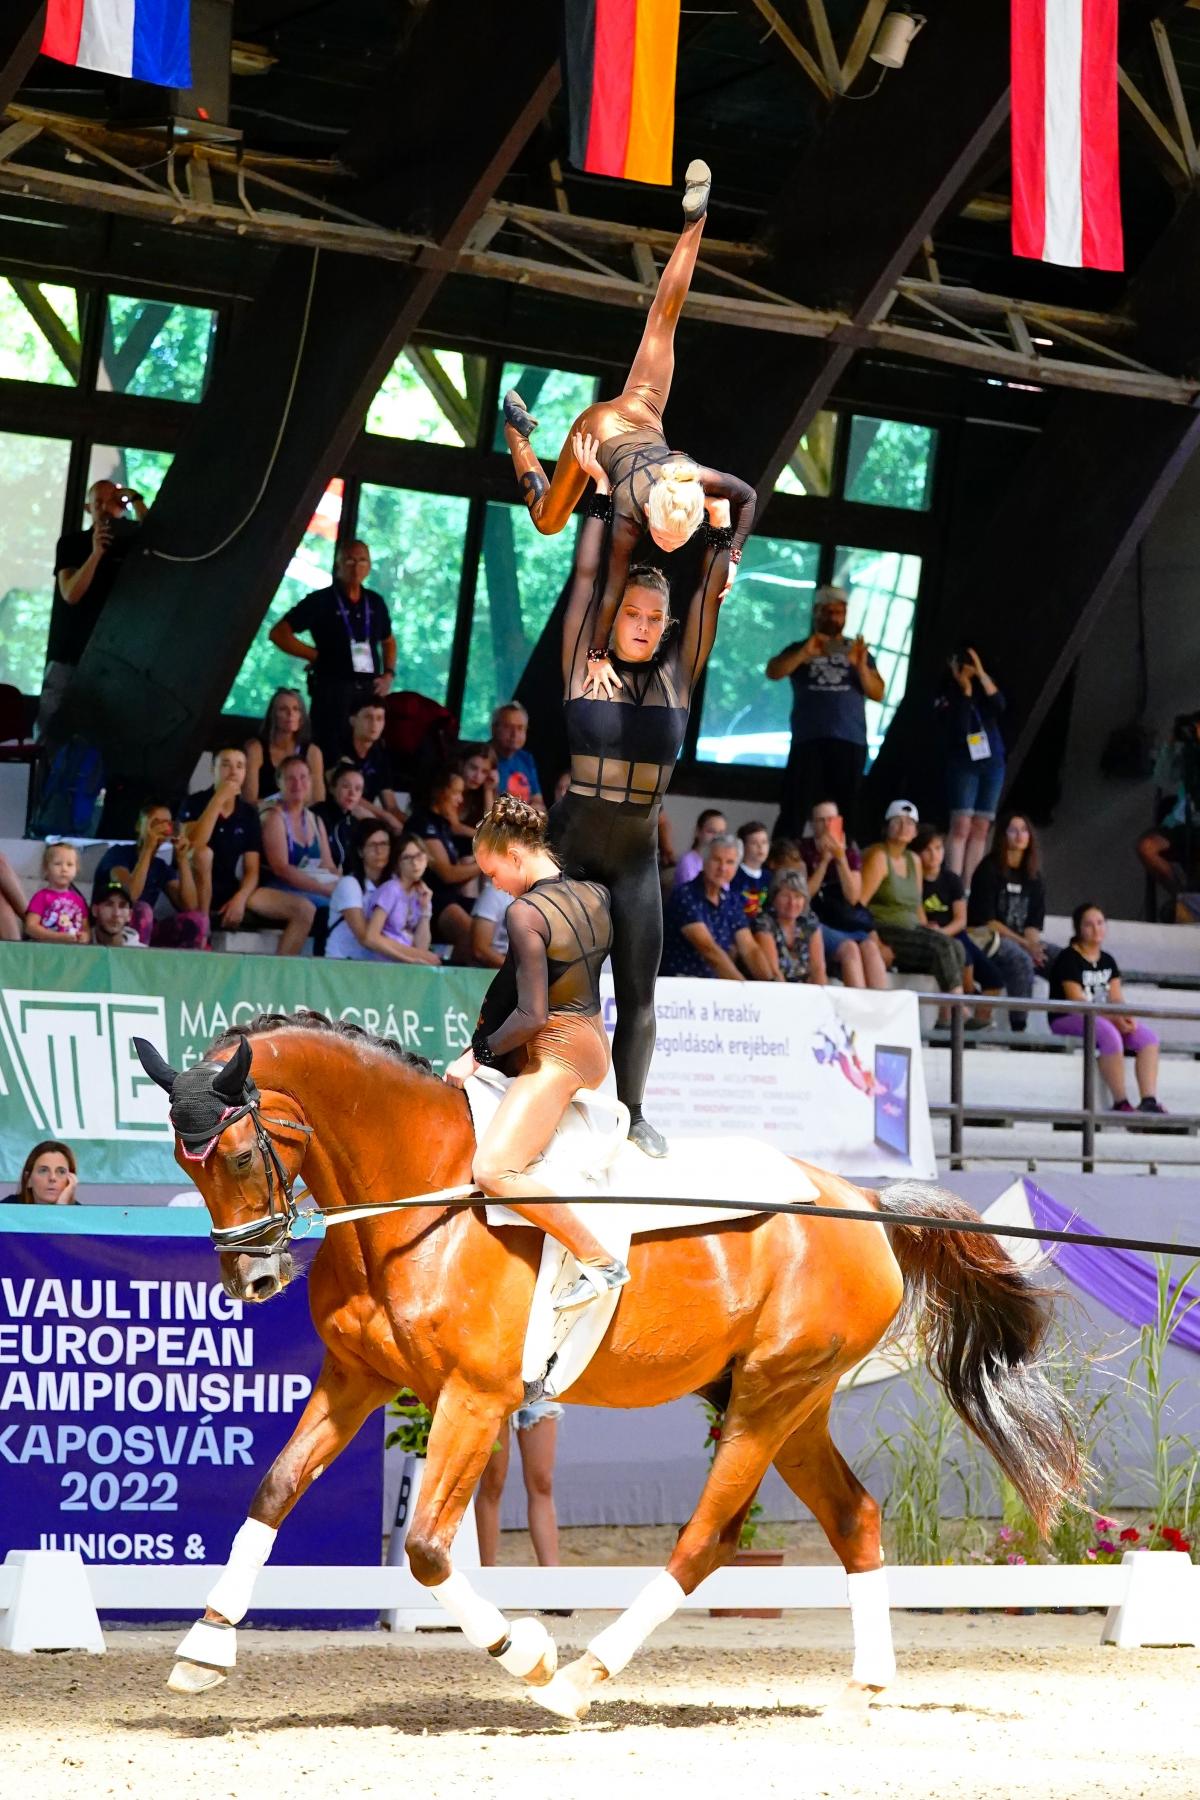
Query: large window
[
  {"x": 431, "y": 396},
  {"x": 157, "y": 349},
  {"x": 521, "y": 575},
  {"x": 39, "y": 332},
  {"x": 31, "y": 510},
  {"x": 889, "y": 463},
  {"x": 265, "y": 668},
  {"x": 746, "y": 717},
  {"x": 555, "y": 397},
  {"x": 810, "y": 467},
  {"x": 882, "y": 586},
  {"x": 416, "y": 545}
]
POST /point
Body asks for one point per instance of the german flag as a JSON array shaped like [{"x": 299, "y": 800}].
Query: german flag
[{"x": 620, "y": 57}]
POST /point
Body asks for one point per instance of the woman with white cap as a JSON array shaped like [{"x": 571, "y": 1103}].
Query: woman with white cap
[{"x": 891, "y": 888}]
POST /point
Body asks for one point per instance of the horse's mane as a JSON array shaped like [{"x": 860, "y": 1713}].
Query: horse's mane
[{"x": 315, "y": 1021}]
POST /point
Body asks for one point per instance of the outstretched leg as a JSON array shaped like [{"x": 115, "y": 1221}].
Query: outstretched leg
[
  {"x": 654, "y": 364},
  {"x": 339, "y": 1403}
]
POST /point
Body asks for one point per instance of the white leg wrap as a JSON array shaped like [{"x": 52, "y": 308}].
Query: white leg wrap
[
  {"x": 213, "y": 1645},
  {"x": 230, "y": 1595},
  {"x": 481, "y": 1623},
  {"x": 871, "y": 1620},
  {"x": 529, "y": 1644},
  {"x": 653, "y": 1607}
]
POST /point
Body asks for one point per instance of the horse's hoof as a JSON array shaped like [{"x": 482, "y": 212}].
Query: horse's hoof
[
  {"x": 561, "y": 1697},
  {"x": 850, "y": 1707},
  {"x": 193, "y": 1678}
]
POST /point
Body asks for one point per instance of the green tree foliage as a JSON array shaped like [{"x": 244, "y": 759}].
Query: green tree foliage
[
  {"x": 26, "y": 350},
  {"x": 31, "y": 504},
  {"x": 556, "y": 397},
  {"x": 416, "y": 545},
  {"x": 770, "y": 606},
  {"x": 521, "y": 575},
  {"x": 156, "y": 349},
  {"x": 890, "y": 463}
]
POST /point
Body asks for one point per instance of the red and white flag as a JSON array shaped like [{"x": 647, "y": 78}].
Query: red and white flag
[{"x": 1066, "y": 189}]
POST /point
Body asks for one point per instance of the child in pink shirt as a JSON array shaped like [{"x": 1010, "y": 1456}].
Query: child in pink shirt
[{"x": 57, "y": 913}]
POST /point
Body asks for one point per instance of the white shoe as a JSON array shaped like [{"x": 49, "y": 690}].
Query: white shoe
[
  {"x": 697, "y": 182},
  {"x": 595, "y": 1279}
]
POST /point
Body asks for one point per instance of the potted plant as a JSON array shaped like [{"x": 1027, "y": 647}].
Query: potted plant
[
  {"x": 409, "y": 1435},
  {"x": 749, "y": 1554}
]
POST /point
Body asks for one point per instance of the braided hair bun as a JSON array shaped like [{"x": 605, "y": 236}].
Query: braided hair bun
[{"x": 511, "y": 822}]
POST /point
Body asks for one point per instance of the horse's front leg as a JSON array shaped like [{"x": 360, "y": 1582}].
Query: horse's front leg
[
  {"x": 466, "y": 1425},
  {"x": 342, "y": 1398}
]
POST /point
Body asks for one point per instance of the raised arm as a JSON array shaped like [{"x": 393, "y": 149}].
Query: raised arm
[
  {"x": 742, "y": 503},
  {"x": 528, "y": 938},
  {"x": 700, "y": 625}
]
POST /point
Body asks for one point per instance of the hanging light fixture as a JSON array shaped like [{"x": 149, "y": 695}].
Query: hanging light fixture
[{"x": 895, "y": 35}]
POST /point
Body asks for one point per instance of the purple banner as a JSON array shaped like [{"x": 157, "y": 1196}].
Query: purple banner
[{"x": 140, "y": 1407}]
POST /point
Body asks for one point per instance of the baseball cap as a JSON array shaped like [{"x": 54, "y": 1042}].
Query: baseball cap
[
  {"x": 902, "y": 809},
  {"x": 109, "y": 889}
]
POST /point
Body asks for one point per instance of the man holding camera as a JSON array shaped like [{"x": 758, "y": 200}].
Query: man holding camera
[
  {"x": 86, "y": 566},
  {"x": 832, "y": 678}
]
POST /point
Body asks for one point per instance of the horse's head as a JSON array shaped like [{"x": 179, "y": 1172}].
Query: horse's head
[{"x": 244, "y": 1152}]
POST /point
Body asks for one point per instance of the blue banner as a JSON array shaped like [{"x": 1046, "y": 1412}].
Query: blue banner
[{"x": 140, "y": 1408}]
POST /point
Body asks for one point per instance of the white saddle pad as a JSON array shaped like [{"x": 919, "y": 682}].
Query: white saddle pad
[{"x": 590, "y": 1155}]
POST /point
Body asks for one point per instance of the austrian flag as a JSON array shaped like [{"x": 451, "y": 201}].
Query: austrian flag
[
  {"x": 1066, "y": 190},
  {"x": 149, "y": 40}
]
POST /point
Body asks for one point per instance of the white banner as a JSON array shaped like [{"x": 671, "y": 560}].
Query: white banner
[{"x": 827, "y": 1073}]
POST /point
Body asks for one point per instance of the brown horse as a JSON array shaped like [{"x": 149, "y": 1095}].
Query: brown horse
[{"x": 761, "y": 1315}]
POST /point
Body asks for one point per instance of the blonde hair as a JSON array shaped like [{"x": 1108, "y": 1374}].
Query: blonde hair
[
  {"x": 675, "y": 503},
  {"x": 48, "y": 851},
  {"x": 511, "y": 822}
]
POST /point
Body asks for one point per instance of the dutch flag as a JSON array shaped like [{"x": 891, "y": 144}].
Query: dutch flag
[{"x": 149, "y": 40}]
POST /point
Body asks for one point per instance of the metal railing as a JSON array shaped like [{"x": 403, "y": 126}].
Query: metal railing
[{"x": 1088, "y": 1116}]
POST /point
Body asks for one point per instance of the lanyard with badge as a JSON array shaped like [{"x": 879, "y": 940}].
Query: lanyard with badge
[
  {"x": 978, "y": 746},
  {"x": 362, "y": 651}
]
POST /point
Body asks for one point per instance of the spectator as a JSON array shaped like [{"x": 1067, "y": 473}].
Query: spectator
[
  {"x": 57, "y": 913},
  {"x": 226, "y": 841},
  {"x": 891, "y": 888},
  {"x": 832, "y": 679},
  {"x": 516, "y": 771},
  {"x": 969, "y": 705},
  {"x": 480, "y": 773},
  {"x": 352, "y": 656},
  {"x": 535, "y": 1427},
  {"x": 1170, "y": 851},
  {"x": 752, "y": 882},
  {"x": 370, "y": 755},
  {"x": 834, "y": 869},
  {"x": 49, "y": 1178},
  {"x": 343, "y": 808},
  {"x": 787, "y": 933},
  {"x": 294, "y": 841},
  {"x": 709, "y": 824},
  {"x": 12, "y": 903},
  {"x": 1085, "y": 971},
  {"x": 705, "y": 926},
  {"x": 945, "y": 907},
  {"x": 112, "y": 918},
  {"x": 285, "y": 731},
  {"x": 450, "y": 872},
  {"x": 398, "y": 924},
  {"x": 160, "y": 862},
  {"x": 367, "y": 862},
  {"x": 489, "y": 934},
  {"x": 86, "y": 566},
  {"x": 1007, "y": 909}
]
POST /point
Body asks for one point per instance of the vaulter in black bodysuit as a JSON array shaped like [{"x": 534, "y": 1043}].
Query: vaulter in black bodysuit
[{"x": 624, "y": 746}]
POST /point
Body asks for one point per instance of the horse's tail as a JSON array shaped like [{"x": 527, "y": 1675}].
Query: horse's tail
[{"x": 981, "y": 1320}]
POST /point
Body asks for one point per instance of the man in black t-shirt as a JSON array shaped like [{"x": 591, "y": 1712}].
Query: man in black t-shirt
[
  {"x": 352, "y": 656},
  {"x": 227, "y": 858},
  {"x": 86, "y": 566},
  {"x": 368, "y": 753}
]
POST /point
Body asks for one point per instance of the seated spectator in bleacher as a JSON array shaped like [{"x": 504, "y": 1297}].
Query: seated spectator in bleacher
[
  {"x": 368, "y": 859},
  {"x": 969, "y": 705},
  {"x": 160, "y": 862},
  {"x": 891, "y": 889},
  {"x": 704, "y": 927},
  {"x": 285, "y": 731},
  {"x": 342, "y": 809},
  {"x": 86, "y": 566},
  {"x": 369, "y": 754},
  {"x": 1171, "y": 854},
  {"x": 834, "y": 869},
  {"x": 294, "y": 841},
  {"x": 489, "y": 934},
  {"x": 12, "y": 903},
  {"x": 709, "y": 824},
  {"x": 752, "y": 883},
  {"x": 945, "y": 906},
  {"x": 58, "y": 913},
  {"x": 516, "y": 771},
  {"x": 112, "y": 917},
  {"x": 450, "y": 873},
  {"x": 398, "y": 925},
  {"x": 481, "y": 784},
  {"x": 787, "y": 933},
  {"x": 352, "y": 656},
  {"x": 226, "y": 841},
  {"x": 1085, "y": 971},
  {"x": 49, "y": 1178},
  {"x": 1007, "y": 909}
]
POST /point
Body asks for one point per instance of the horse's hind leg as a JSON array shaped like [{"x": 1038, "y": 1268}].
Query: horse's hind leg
[{"x": 819, "y": 1475}]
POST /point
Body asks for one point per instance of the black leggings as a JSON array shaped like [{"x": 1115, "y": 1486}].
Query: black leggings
[{"x": 618, "y": 845}]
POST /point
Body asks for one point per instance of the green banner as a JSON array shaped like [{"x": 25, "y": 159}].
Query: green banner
[{"x": 68, "y": 1017}]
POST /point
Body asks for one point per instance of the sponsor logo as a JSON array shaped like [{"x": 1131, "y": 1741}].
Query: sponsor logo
[{"x": 72, "y": 1058}]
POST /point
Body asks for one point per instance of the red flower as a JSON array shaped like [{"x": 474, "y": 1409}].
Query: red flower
[
  {"x": 1183, "y": 1543},
  {"x": 1172, "y": 1534},
  {"x": 1131, "y": 1535}
]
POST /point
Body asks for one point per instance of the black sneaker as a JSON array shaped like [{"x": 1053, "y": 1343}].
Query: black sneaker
[{"x": 1150, "y": 1105}]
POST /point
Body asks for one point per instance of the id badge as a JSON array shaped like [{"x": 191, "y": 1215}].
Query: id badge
[
  {"x": 363, "y": 659},
  {"x": 978, "y": 748}
]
